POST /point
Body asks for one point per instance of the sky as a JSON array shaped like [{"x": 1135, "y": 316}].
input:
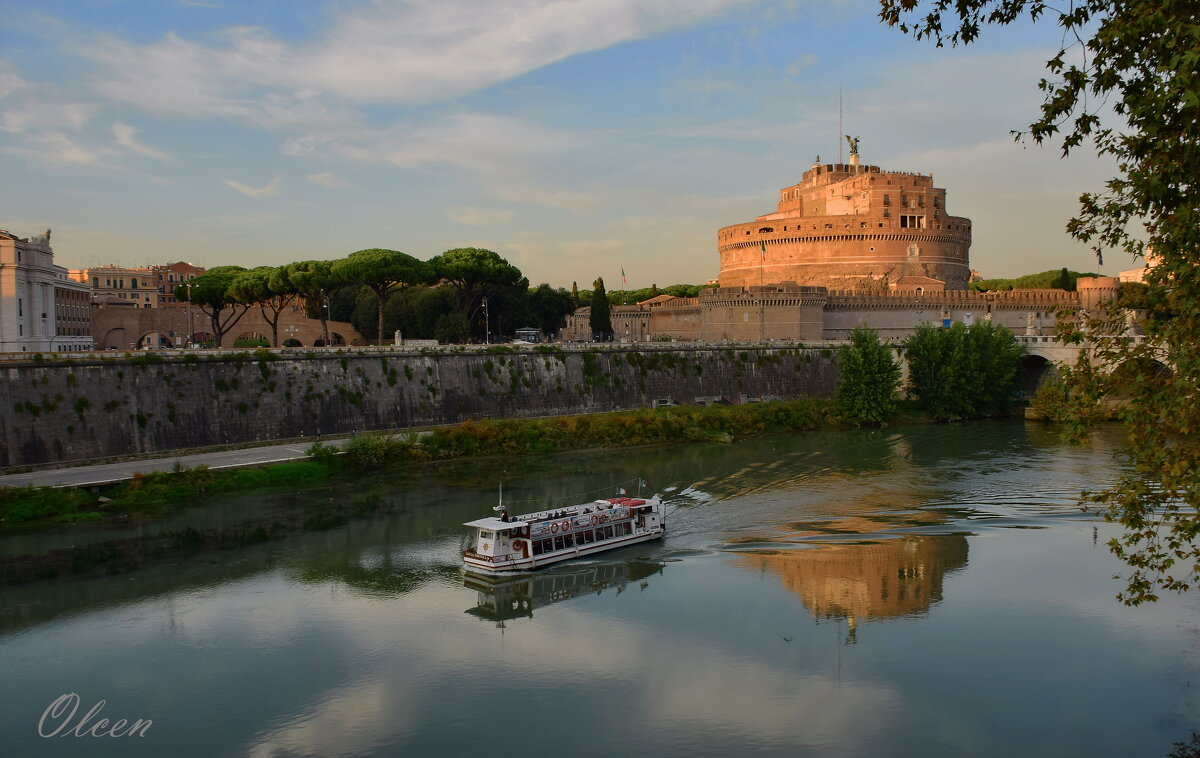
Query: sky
[{"x": 576, "y": 138}]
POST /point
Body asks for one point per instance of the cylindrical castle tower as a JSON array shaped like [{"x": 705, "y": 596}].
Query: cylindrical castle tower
[{"x": 852, "y": 227}]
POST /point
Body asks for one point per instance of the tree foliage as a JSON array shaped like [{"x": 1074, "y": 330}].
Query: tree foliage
[
  {"x": 869, "y": 379},
  {"x": 1141, "y": 58},
  {"x": 212, "y": 293},
  {"x": 964, "y": 371},
  {"x": 600, "y": 317},
  {"x": 314, "y": 281},
  {"x": 386, "y": 272}
]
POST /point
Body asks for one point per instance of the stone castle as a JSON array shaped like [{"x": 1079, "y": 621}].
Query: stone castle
[
  {"x": 850, "y": 245},
  {"x": 852, "y": 227}
]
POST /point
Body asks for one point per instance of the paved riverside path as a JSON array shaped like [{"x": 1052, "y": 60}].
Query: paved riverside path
[{"x": 107, "y": 473}]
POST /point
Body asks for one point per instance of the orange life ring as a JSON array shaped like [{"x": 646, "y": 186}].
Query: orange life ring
[
  {"x": 518, "y": 545},
  {"x": 595, "y": 520}
]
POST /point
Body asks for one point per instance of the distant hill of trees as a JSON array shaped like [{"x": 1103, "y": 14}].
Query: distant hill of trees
[{"x": 1060, "y": 279}]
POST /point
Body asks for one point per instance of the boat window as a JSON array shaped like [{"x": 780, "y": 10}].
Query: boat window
[
  {"x": 608, "y": 532},
  {"x": 485, "y": 535},
  {"x": 627, "y": 527},
  {"x": 600, "y": 534},
  {"x": 558, "y": 543},
  {"x": 569, "y": 539},
  {"x": 537, "y": 548},
  {"x": 589, "y": 537}
]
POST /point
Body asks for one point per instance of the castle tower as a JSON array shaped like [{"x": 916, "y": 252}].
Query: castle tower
[{"x": 851, "y": 227}]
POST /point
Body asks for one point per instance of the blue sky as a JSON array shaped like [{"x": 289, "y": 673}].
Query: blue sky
[{"x": 573, "y": 137}]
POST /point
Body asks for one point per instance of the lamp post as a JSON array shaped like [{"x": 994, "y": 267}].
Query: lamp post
[
  {"x": 487, "y": 329},
  {"x": 191, "y": 326}
]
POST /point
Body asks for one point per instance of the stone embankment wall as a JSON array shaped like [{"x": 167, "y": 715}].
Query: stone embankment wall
[{"x": 59, "y": 411}]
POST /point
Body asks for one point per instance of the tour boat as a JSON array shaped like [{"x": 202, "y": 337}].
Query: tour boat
[{"x": 504, "y": 544}]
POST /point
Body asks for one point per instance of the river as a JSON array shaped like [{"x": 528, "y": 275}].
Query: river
[{"x": 910, "y": 591}]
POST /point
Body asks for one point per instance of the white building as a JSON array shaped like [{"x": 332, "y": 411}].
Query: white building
[{"x": 41, "y": 308}]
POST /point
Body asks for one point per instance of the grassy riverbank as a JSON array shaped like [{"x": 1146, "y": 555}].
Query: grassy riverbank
[{"x": 157, "y": 493}]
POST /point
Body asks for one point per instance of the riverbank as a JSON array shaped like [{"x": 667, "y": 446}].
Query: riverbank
[{"x": 154, "y": 494}]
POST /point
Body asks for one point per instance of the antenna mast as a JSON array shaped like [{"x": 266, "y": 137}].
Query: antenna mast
[{"x": 839, "y": 135}]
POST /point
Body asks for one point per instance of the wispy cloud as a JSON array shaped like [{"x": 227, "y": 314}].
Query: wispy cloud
[
  {"x": 328, "y": 179},
  {"x": 270, "y": 190},
  {"x": 407, "y": 52},
  {"x": 127, "y": 137},
  {"x": 479, "y": 217}
]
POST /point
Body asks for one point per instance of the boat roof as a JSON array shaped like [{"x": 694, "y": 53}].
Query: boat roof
[{"x": 496, "y": 524}]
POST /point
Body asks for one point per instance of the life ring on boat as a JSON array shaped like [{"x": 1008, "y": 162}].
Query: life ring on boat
[
  {"x": 554, "y": 528},
  {"x": 566, "y": 525},
  {"x": 595, "y": 520},
  {"x": 518, "y": 545}
]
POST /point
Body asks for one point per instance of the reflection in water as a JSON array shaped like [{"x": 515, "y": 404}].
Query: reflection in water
[
  {"x": 519, "y": 598},
  {"x": 889, "y": 579}
]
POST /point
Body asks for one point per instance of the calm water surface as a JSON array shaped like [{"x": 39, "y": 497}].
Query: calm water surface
[{"x": 909, "y": 592}]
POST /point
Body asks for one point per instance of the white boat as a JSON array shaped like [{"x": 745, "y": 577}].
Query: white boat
[{"x": 504, "y": 544}]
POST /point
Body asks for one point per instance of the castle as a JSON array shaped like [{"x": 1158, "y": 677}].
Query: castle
[
  {"x": 850, "y": 245},
  {"x": 847, "y": 226}
]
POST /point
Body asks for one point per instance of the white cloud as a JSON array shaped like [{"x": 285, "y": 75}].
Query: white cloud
[
  {"x": 127, "y": 137},
  {"x": 383, "y": 52},
  {"x": 327, "y": 179},
  {"x": 479, "y": 217},
  {"x": 270, "y": 190},
  {"x": 34, "y": 116},
  {"x": 10, "y": 82}
]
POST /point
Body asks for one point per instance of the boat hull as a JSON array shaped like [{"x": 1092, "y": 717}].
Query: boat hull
[{"x": 505, "y": 565}]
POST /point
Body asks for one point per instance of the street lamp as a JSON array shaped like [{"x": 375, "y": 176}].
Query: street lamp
[
  {"x": 487, "y": 329},
  {"x": 191, "y": 326}
]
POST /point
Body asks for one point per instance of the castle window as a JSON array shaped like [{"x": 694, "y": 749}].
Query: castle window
[
  {"x": 765, "y": 230},
  {"x": 886, "y": 199}
]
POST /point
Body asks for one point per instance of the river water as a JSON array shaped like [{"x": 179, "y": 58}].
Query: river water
[{"x": 898, "y": 592}]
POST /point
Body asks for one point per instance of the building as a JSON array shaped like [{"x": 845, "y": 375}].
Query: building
[
  {"x": 41, "y": 308},
  {"x": 167, "y": 278},
  {"x": 851, "y": 227},
  {"x": 145, "y": 287}
]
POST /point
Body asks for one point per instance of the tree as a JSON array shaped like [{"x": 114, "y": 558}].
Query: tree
[
  {"x": 313, "y": 281},
  {"x": 1139, "y": 58},
  {"x": 386, "y": 272},
  {"x": 476, "y": 273},
  {"x": 270, "y": 288},
  {"x": 869, "y": 379},
  {"x": 600, "y": 318},
  {"x": 962, "y": 372},
  {"x": 550, "y": 307},
  {"x": 211, "y": 293}
]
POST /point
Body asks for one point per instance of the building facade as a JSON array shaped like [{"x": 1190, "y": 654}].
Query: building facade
[
  {"x": 851, "y": 227},
  {"x": 41, "y": 308},
  {"x": 144, "y": 287}
]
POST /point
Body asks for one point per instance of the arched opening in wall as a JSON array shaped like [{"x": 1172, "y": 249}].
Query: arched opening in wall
[
  {"x": 765, "y": 230},
  {"x": 1138, "y": 375},
  {"x": 204, "y": 339},
  {"x": 1032, "y": 371},
  {"x": 292, "y": 342},
  {"x": 336, "y": 339},
  {"x": 153, "y": 341},
  {"x": 251, "y": 339},
  {"x": 114, "y": 339}
]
